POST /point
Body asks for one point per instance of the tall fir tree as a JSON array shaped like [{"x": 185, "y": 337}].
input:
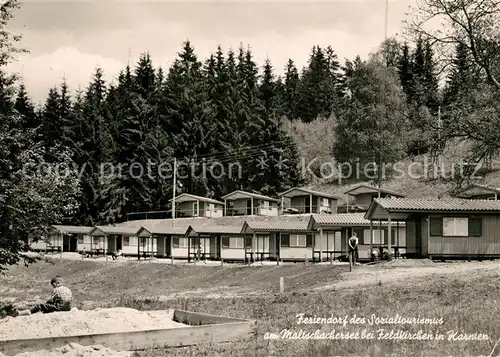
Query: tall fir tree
[
  {"x": 188, "y": 116},
  {"x": 92, "y": 152},
  {"x": 291, "y": 90},
  {"x": 319, "y": 85},
  {"x": 25, "y": 108},
  {"x": 405, "y": 70}
]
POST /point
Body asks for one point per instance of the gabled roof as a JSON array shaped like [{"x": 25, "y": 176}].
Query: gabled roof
[
  {"x": 72, "y": 229},
  {"x": 187, "y": 197},
  {"x": 419, "y": 205},
  {"x": 305, "y": 191},
  {"x": 100, "y": 231},
  {"x": 160, "y": 229},
  {"x": 238, "y": 194},
  {"x": 477, "y": 190},
  {"x": 220, "y": 225},
  {"x": 341, "y": 220},
  {"x": 364, "y": 188},
  {"x": 277, "y": 223}
]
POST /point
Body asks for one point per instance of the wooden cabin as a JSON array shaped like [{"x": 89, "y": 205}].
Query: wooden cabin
[
  {"x": 452, "y": 228},
  {"x": 62, "y": 238},
  {"x": 479, "y": 192},
  {"x": 241, "y": 203},
  {"x": 303, "y": 200},
  {"x": 108, "y": 239},
  {"x": 192, "y": 238},
  {"x": 332, "y": 232},
  {"x": 188, "y": 205},
  {"x": 286, "y": 237},
  {"x": 361, "y": 196},
  {"x": 170, "y": 238}
]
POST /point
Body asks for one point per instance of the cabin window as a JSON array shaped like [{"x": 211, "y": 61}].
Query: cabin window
[
  {"x": 309, "y": 240},
  {"x": 195, "y": 242},
  {"x": 307, "y": 208},
  {"x": 436, "y": 226},
  {"x": 265, "y": 204},
  {"x": 142, "y": 242},
  {"x": 80, "y": 240},
  {"x": 195, "y": 208},
  {"x": 261, "y": 243},
  {"x": 126, "y": 241},
  {"x": 248, "y": 243},
  {"x": 325, "y": 202},
  {"x": 211, "y": 207},
  {"x": 298, "y": 240},
  {"x": 394, "y": 236},
  {"x": 225, "y": 242},
  {"x": 378, "y": 236},
  {"x": 475, "y": 226},
  {"x": 236, "y": 243},
  {"x": 330, "y": 240},
  {"x": 179, "y": 242},
  {"x": 455, "y": 226},
  {"x": 285, "y": 240}
]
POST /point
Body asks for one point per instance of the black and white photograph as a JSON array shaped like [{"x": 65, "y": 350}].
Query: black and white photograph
[{"x": 249, "y": 178}]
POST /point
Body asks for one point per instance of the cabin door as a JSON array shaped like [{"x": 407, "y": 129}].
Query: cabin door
[
  {"x": 418, "y": 235},
  {"x": 73, "y": 242},
  {"x": 249, "y": 207},
  {"x": 119, "y": 243},
  {"x": 278, "y": 245},
  {"x": 168, "y": 246},
  {"x": 307, "y": 208}
]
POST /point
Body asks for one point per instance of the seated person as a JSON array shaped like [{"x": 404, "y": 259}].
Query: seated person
[{"x": 60, "y": 299}]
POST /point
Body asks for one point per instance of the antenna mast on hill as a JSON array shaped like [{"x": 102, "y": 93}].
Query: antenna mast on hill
[
  {"x": 386, "y": 116},
  {"x": 440, "y": 155},
  {"x": 174, "y": 191}
]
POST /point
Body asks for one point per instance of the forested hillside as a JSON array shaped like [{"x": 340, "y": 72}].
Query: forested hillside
[{"x": 231, "y": 123}]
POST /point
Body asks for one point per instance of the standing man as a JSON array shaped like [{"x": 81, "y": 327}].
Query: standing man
[{"x": 353, "y": 247}]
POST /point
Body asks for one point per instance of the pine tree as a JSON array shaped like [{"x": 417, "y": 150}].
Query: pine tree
[
  {"x": 65, "y": 116},
  {"x": 418, "y": 90},
  {"x": 219, "y": 82},
  {"x": 25, "y": 108},
  {"x": 430, "y": 81},
  {"x": 92, "y": 152},
  {"x": 52, "y": 127},
  {"x": 319, "y": 89},
  {"x": 188, "y": 115},
  {"x": 268, "y": 90},
  {"x": 460, "y": 81},
  {"x": 405, "y": 71},
  {"x": 291, "y": 90}
]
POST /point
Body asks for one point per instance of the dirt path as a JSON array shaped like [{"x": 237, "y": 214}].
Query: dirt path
[{"x": 387, "y": 274}]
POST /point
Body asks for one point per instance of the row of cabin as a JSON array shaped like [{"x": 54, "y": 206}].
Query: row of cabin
[
  {"x": 295, "y": 200},
  {"x": 315, "y": 237},
  {"x": 418, "y": 228}
]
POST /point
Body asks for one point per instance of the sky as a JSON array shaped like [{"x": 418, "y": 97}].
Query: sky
[{"x": 69, "y": 39}]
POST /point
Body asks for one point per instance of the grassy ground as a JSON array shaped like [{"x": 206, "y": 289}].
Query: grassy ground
[{"x": 466, "y": 298}]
